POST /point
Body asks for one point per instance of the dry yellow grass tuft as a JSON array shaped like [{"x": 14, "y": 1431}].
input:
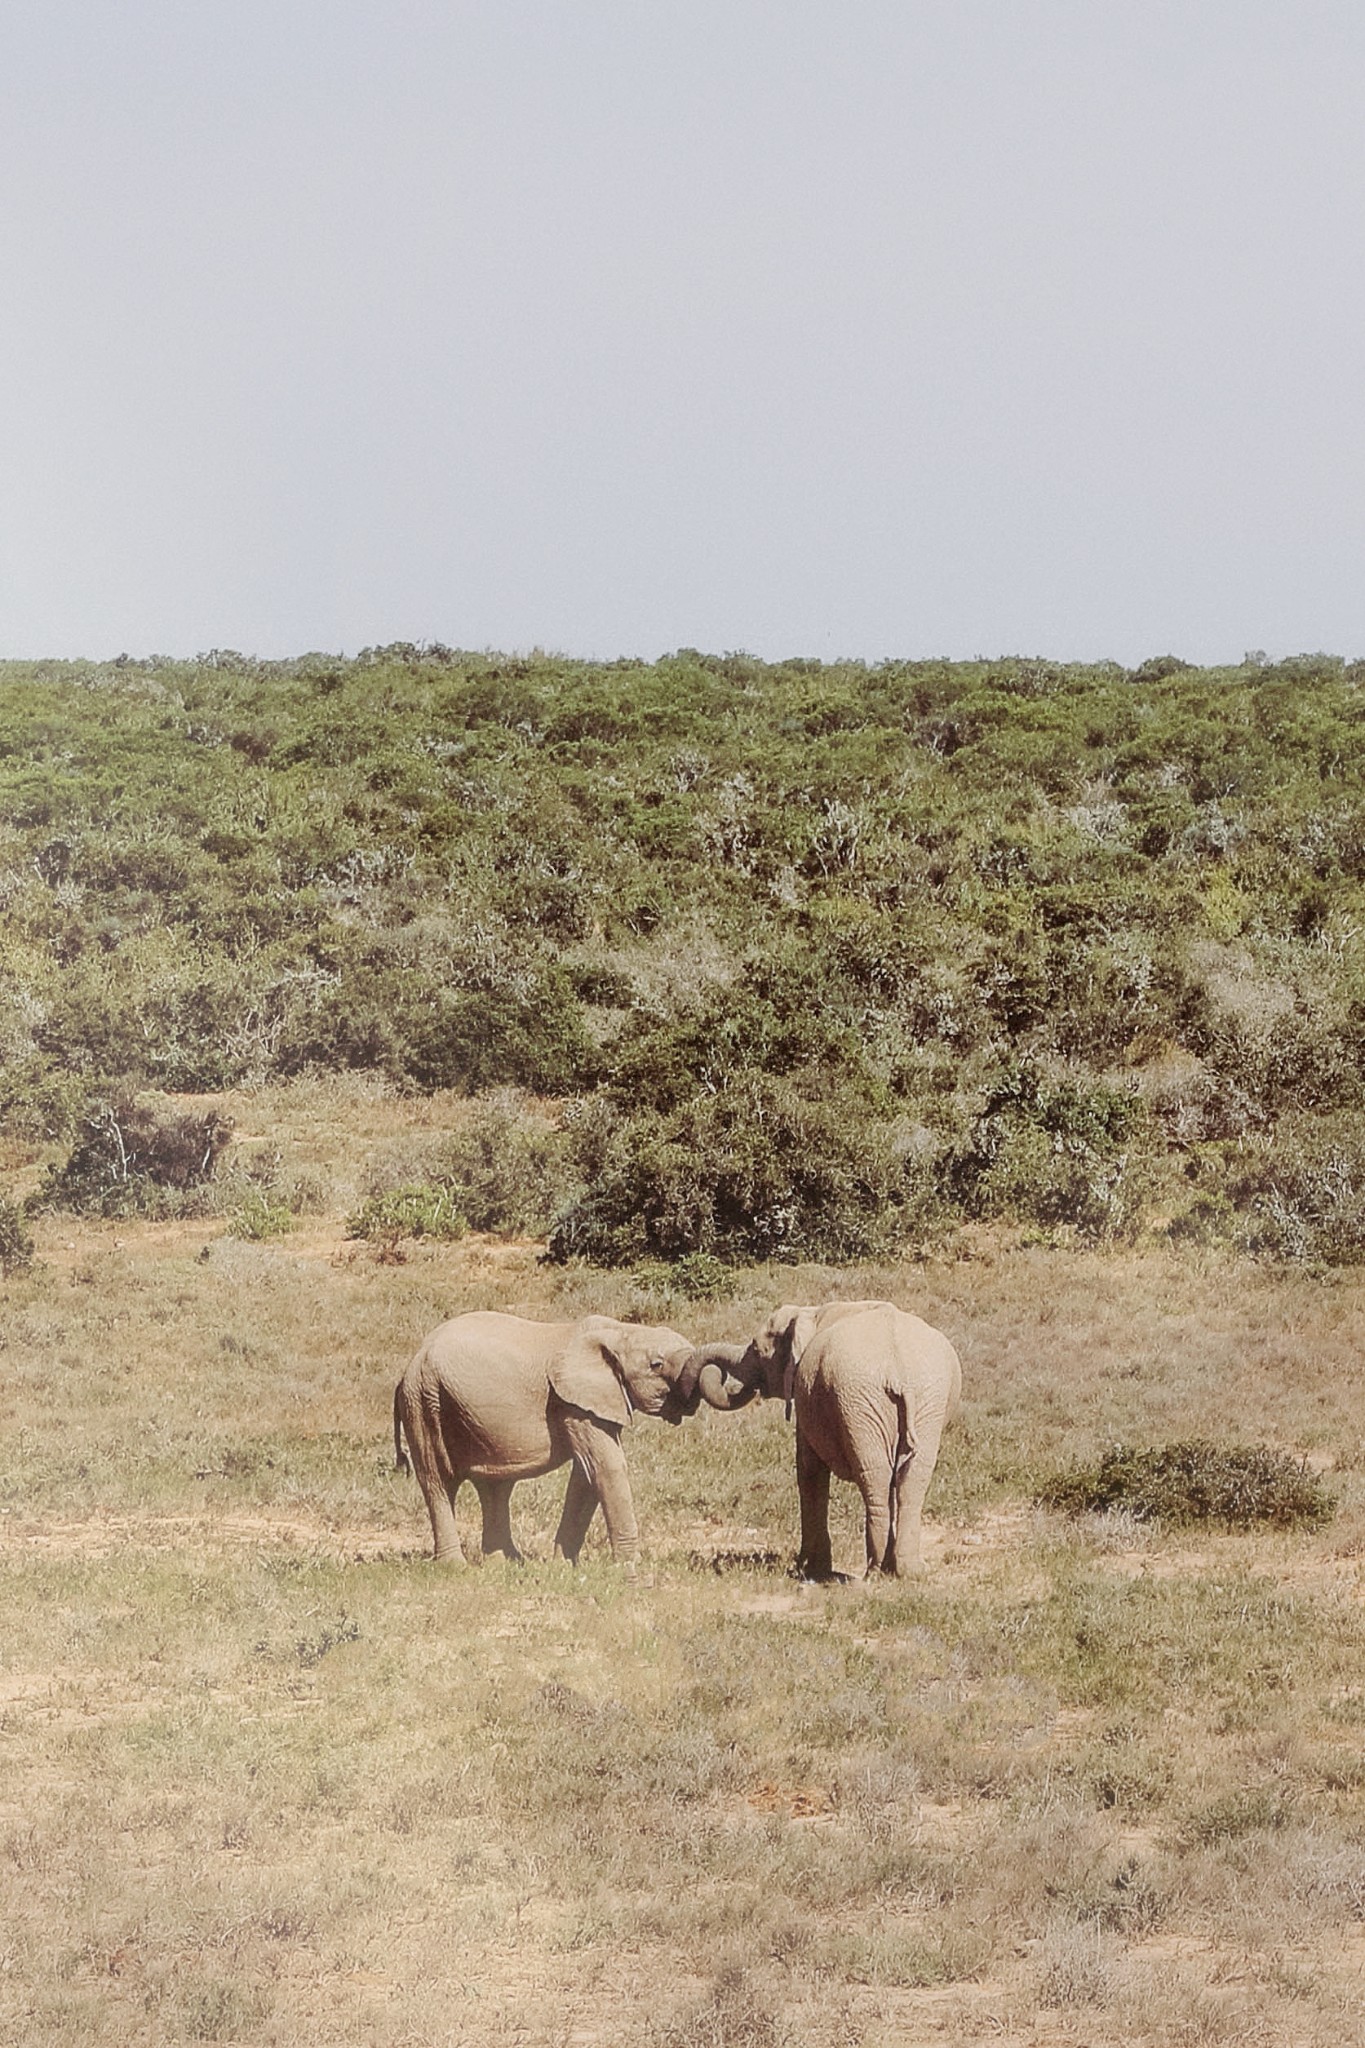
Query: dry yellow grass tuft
[{"x": 268, "y": 1776}]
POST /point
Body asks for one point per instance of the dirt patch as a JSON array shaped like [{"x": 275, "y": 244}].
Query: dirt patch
[
  {"x": 1003, "y": 1528},
  {"x": 102, "y": 1535}
]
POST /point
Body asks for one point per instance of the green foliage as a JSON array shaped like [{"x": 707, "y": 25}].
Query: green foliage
[
  {"x": 696, "y": 1276},
  {"x": 506, "y": 1167},
  {"x": 1302, "y": 1198},
  {"x": 16, "y": 1240},
  {"x": 408, "y": 1212},
  {"x": 986, "y": 901},
  {"x": 135, "y": 1158},
  {"x": 1056, "y": 1154},
  {"x": 261, "y": 1217},
  {"x": 1182, "y": 1483},
  {"x": 756, "y": 1171}
]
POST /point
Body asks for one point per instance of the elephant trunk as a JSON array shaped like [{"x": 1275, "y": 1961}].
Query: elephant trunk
[
  {"x": 713, "y": 1375},
  {"x": 720, "y": 1389}
]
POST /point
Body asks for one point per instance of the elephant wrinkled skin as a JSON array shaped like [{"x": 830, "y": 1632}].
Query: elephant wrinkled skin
[
  {"x": 494, "y": 1398},
  {"x": 873, "y": 1388}
]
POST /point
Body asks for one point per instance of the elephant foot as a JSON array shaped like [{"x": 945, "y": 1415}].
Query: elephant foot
[
  {"x": 902, "y": 1568},
  {"x": 819, "y": 1569}
]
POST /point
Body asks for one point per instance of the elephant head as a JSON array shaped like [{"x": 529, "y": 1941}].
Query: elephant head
[
  {"x": 611, "y": 1368},
  {"x": 729, "y": 1376}
]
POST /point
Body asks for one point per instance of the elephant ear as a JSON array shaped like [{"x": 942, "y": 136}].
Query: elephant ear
[
  {"x": 792, "y": 1330},
  {"x": 585, "y": 1376}
]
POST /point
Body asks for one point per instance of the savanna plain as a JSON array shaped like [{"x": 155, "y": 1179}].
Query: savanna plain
[{"x": 267, "y": 1775}]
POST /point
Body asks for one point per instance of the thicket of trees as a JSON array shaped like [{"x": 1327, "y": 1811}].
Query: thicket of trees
[{"x": 812, "y": 959}]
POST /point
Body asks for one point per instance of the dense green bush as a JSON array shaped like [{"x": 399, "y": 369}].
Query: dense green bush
[
  {"x": 1056, "y": 1154},
  {"x": 260, "y": 1217},
  {"x": 136, "y": 1158},
  {"x": 1302, "y": 1196},
  {"x": 1181, "y": 1483},
  {"x": 754, "y": 1171},
  {"x": 506, "y": 1167}
]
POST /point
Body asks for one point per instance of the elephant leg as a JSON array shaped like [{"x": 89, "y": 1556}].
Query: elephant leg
[
  {"x": 814, "y": 1559},
  {"x": 495, "y": 1498},
  {"x": 580, "y": 1505},
  {"x": 875, "y": 1485},
  {"x": 911, "y": 1485},
  {"x": 439, "y": 1495},
  {"x": 597, "y": 1452}
]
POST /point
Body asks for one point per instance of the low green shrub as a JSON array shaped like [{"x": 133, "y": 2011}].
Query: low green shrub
[
  {"x": 408, "y": 1212},
  {"x": 261, "y": 1217},
  {"x": 1195, "y": 1481},
  {"x": 697, "y": 1276},
  {"x": 507, "y": 1167}
]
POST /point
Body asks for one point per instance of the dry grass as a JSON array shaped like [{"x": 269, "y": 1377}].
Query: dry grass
[{"x": 266, "y": 1776}]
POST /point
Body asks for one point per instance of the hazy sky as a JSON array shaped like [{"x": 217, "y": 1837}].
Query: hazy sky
[{"x": 837, "y": 327}]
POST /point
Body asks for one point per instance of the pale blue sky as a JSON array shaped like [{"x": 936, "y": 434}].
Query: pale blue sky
[{"x": 836, "y": 327}]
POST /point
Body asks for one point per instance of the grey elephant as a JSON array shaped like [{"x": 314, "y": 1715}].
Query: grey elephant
[
  {"x": 495, "y": 1398},
  {"x": 873, "y": 1388}
]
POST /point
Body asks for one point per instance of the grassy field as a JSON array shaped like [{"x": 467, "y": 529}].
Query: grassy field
[{"x": 267, "y": 1776}]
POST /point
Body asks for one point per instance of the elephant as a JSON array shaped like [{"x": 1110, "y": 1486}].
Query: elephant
[
  {"x": 873, "y": 1388},
  {"x": 495, "y": 1398}
]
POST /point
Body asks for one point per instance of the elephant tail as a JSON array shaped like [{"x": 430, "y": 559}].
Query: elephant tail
[
  {"x": 905, "y": 1436},
  {"x": 400, "y": 1456}
]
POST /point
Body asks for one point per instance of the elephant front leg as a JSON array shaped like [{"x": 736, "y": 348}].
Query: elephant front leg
[
  {"x": 495, "y": 1498},
  {"x": 580, "y": 1505},
  {"x": 598, "y": 1455},
  {"x": 814, "y": 1559}
]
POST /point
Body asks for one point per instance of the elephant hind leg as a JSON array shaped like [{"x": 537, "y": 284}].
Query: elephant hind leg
[
  {"x": 495, "y": 1499},
  {"x": 912, "y": 1484},
  {"x": 875, "y": 1486},
  {"x": 439, "y": 1494}
]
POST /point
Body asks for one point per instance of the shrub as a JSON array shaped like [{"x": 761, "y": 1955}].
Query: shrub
[
  {"x": 261, "y": 1217},
  {"x": 697, "y": 1276},
  {"x": 753, "y": 1172},
  {"x": 16, "y": 1244},
  {"x": 136, "y": 1158},
  {"x": 1195, "y": 1481},
  {"x": 477, "y": 1040},
  {"x": 408, "y": 1212},
  {"x": 1304, "y": 1195},
  {"x": 1057, "y": 1154},
  {"x": 506, "y": 1167}
]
